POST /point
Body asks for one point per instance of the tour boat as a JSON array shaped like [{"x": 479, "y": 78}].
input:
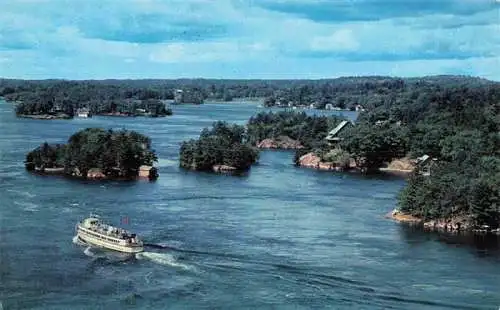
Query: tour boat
[{"x": 94, "y": 231}]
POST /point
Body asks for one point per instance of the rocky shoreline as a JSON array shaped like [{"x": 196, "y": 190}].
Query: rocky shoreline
[
  {"x": 45, "y": 116},
  {"x": 145, "y": 172},
  {"x": 311, "y": 160},
  {"x": 456, "y": 224}
]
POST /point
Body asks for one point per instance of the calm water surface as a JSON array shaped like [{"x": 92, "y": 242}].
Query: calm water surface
[{"x": 280, "y": 237}]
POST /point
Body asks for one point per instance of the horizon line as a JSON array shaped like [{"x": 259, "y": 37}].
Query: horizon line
[{"x": 252, "y": 79}]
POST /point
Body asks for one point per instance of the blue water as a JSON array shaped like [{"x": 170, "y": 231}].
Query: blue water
[{"x": 279, "y": 237}]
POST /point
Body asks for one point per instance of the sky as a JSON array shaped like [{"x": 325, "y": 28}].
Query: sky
[{"x": 248, "y": 39}]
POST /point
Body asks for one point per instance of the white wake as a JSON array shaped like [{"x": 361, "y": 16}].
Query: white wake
[
  {"x": 88, "y": 252},
  {"x": 163, "y": 259}
]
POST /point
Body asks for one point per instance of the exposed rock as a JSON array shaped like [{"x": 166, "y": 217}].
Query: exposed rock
[
  {"x": 148, "y": 172},
  {"x": 403, "y": 217},
  {"x": 282, "y": 142},
  {"x": 458, "y": 223},
  {"x": 311, "y": 160},
  {"x": 223, "y": 168},
  {"x": 119, "y": 114},
  {"x": 45, "y": 116},
  {"x": 95, "y": 174},
  {"x": 404, "y": 164},
  {"x": 54, "y": 170},
  {"x": 453, "y": 224}
]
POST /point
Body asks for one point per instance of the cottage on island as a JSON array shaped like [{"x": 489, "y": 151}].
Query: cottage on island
[
  {"x": 83, "y": 112},
  {"x": 425, "y": 164}
]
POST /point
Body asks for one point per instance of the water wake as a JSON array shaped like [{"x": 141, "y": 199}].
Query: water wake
[
  {"x": 76, "y": 240},
  {"x": 27, "y": 206},
  {"x": 163, "y": 259},
  {"x": 88, "y": 252}
]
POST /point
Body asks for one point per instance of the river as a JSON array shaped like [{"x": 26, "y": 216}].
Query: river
[{"x": 279, "y": 237}]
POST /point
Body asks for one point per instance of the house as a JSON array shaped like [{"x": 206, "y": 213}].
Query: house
[
  {"x": 425, "y": 164},
  {"x": 360, "y": 108},
  {"x": 56, "y": 108},
  {"x": 333, "y": 135},
  {"x": 83, "y": 112},
  {"x": 178, "y": 95}
]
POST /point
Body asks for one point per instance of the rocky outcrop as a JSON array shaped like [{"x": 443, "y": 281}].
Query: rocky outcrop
[
  {"x": 311, "y": 160},
  {"x": 455, "y": 224},
  {"x": 404, "y": 164},
  {"x": 223, "y": 168},
  {"x": 148, "y": 172},
  {"x": 95, "y": 174},
  {"x": 45, "y": 116},
  {"x": 403, "y": 217},
  {"x": 282, "y": 142}
]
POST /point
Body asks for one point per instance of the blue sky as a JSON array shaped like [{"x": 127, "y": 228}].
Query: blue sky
[{"x": 96, "y": 39}]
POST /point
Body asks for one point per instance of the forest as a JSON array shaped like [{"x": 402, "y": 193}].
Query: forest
[
  {"x": 126, "y": 96},
  {"x": 351, "y": 93},
  {"x": 118, "y": 154},
  {"x": 223, "y": 144},
  {"x": 456, "y": 125}
]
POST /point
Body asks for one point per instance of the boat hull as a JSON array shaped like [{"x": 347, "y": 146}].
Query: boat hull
[{"x": 99, "y": 242}]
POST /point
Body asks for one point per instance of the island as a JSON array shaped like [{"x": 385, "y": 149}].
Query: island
[
  {"x": 223, "y": 148},
  {"x": 95, "y": 153}
]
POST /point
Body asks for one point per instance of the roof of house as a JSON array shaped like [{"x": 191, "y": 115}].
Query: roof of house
[
  {"x": 423, "y": 158},
  {"x": 336, "y": 130}
]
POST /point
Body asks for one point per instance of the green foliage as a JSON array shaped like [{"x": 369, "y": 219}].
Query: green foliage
[
  {"x": 468, "y": 188},
  {"x": 116, "y": 153},
  {"x": 337, "y": 155},
  {"x": 369, "y": 92},
  {"x": 223, "y": 144},
  {"x": 310, "y": 131},
  {"x": 453, "y": 120},
  {"x": 459, "y": 126},
  {"x": 47, "y": 156},
  {"x": 371, "y": 146}
]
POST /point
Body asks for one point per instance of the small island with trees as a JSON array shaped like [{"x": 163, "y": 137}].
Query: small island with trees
[
  {"x": 95, "y": 153},
  {"x": 223, "y": 148}
]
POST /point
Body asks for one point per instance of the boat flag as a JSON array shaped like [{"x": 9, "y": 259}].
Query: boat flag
[{"x": 124, "y": 220}]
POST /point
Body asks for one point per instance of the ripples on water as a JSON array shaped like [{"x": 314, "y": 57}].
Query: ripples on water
[{"x": 276, "y": 237}]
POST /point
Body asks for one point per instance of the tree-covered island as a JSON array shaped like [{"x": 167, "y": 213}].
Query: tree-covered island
[
  {"x": 54, "y": 99},
  {"x": 95, "y": 153},
  {"x": 224, "y": 147}
]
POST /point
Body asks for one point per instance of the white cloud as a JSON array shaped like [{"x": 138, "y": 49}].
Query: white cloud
[
  {"x": 96, "y": 40},
  {"x": 340, "y": 40}
]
